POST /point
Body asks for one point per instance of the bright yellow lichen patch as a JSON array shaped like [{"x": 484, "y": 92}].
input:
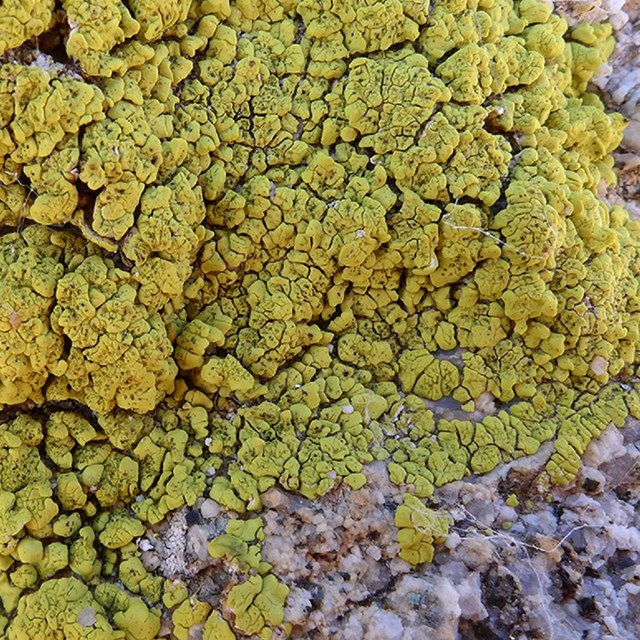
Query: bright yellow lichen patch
[
  {"x": 248, "y": 244},
  {"x": 60, "y": 607},
  {"x": 21, "y": 20}
]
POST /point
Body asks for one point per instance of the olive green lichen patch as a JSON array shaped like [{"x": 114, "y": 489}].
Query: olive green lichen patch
[{"x": 248, "y": 244}]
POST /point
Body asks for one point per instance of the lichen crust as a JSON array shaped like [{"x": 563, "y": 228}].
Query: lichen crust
[{"x": 249, "y": 244}]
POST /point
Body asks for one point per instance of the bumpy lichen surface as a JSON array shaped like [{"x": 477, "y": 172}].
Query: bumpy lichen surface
[{"x": 257, "y": 243}]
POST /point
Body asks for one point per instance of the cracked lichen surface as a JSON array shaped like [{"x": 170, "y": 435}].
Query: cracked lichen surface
[{"x": 248, "y": 244}]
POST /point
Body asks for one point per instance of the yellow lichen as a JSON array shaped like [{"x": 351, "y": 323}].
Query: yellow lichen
[{"x": 248, "y": 244}]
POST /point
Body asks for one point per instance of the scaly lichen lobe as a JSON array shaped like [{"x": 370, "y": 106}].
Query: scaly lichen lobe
[{"x": 249, "y": 244}]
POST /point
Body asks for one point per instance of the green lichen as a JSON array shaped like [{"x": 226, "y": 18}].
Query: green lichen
[
  {"x": 234, "y": 545},
  {"x": 217, "y": 628},
  {"x": 188, "y": 615},
  {"x": 62, "y": 607},
  {"x": 131, "y": 616},
  {"x": 257, "y": 604},
  {"x": 248, "y": 244},
  {"x": 419, "y": 530}
]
